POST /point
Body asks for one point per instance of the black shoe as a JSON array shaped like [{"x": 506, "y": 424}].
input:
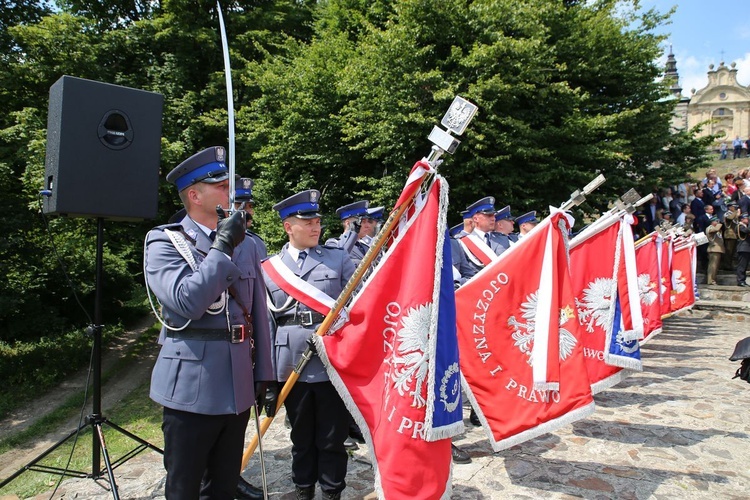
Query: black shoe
[
  {"x": 331, "y": 496},
  {"x": 246, "y": 490},
  {"x": 474, "y": 418},
  {"x": 350, "y": 444},
  {"x": 742, "y": 284},
  {"x": 459, "y": 456},
  {"x": 304, "y": 493},
  {"x": 356, "y": 434}
]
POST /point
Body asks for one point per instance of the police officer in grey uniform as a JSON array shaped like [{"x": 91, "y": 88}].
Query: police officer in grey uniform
[
  {"x": 319, "y": 419},
  {"x": 370, "y": 225},
  {"x": 526, "y": 223},
  {"x": 215, "y": 357},
  {"x": 243, "y": 197},
  {"x": 351, "y": 216},
  {"x": 244, "y": 200},
  {"x": 503, "y": 232},
  {"x": 482, "y": 214}
]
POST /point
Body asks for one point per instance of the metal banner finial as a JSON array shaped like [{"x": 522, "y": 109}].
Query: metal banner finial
[{"x": 456, "y": 119}]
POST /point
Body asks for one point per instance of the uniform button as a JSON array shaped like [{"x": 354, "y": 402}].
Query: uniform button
[
  {"x": 177, "y": 353},
  {"x": 229, "y": 278}
]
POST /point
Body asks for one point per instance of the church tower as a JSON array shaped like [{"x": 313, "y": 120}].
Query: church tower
[
  {"x": 672, "y": 78},
  {"x": 671, "y": 75}
]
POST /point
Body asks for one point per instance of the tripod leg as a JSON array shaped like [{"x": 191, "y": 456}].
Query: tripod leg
[
  {"x": 133, "y": 436},
  {"x": 34, "y": 467},
  {"x": 107, "y": 464}
]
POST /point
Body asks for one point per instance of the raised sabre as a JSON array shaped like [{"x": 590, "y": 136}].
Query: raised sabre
[
  {"x": 230, "y": 163},
  {"x": 230, "y": 106}
]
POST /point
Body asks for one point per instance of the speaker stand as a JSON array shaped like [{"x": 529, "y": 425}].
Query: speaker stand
[{"x": 95, "y": 420}]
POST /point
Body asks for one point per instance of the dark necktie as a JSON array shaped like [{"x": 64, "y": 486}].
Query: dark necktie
[
  {"x": 301, "y": 258},
  {"x": 487, "y": 238},
  {"x": 212, "y": 236}
]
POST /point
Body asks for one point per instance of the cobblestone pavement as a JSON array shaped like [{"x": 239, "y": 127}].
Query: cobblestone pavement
[{"x": 679, "y": 429}]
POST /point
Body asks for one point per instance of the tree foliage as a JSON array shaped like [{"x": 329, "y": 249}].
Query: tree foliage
[{"x": 337, "y": 95}]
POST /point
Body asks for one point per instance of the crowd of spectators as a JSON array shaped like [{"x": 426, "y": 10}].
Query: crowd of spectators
[{"x": 713, "y": 206}]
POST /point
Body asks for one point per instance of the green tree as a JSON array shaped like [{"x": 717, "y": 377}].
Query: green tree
[
  {"x": 170, "y": 47},
  {"x": 336, "y": 95}
]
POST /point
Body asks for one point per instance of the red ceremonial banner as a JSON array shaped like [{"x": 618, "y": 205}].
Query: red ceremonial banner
[
  {"x": 627, "y": 283},
  {"x": 648, "y": 285},
  {"x": 593, "y": 263},
  {"x": 521, "y": 352},
  {"x": 683, "y": 295},
  {"x": 383, "y": 360},
  {"x": 664, "y": 249}
]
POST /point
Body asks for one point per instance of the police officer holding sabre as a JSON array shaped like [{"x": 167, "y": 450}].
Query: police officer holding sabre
[{"x": 215, "y": 357}]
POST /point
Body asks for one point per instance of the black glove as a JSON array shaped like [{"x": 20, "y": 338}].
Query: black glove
[
  {"x": 271, "y": 396},
  {"x": 356, "y": 224},
  {"x": 261, "y": 387},
  {"x": 229, "y": 232}
]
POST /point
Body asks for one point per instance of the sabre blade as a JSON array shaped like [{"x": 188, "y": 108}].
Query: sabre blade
[
  {"x": 230, "y": 106},
  {"x": 263, "y": 478}
]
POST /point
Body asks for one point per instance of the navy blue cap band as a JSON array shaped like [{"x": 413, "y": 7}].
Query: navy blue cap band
[
  {"x": 299, "y": 208},
  {"x": 345, "y": 214},
  {"x": 481, "y": 208},
  {"x": 209, "y": 170}
]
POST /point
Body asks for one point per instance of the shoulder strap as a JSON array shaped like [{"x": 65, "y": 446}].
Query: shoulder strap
[
  {"x": 476, "y": 250},
  {"x": 183, "y": 247},
  {"x": 295, "y": 286}
]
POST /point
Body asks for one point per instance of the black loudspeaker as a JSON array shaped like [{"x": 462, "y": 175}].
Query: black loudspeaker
[{"x": 103, "y": 150}]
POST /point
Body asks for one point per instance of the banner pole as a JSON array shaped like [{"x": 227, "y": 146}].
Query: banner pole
[
  {"x": 459, "y": 114},
  {"x": 342, "y": 299}
]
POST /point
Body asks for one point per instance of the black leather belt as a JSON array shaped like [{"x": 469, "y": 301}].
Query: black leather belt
[
  {"x": 301, "y": 318},
  {"x": 235, "y": 336}
]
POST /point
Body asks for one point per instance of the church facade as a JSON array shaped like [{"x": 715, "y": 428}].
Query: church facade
[{"x": 722, "y": 106}]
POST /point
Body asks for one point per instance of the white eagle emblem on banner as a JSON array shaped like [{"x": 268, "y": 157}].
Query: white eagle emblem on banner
[
  {"x": 523, "y": 333},
  {"x": 410, "y": 359},
  {"x": 678, "y": 284},
  {"x": 597, "y": 303},
  {"x": 646, "y": 289}
]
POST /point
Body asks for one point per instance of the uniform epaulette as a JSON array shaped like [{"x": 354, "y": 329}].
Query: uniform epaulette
[
  {"x": 178, "y": 228},
  {"x": 332, "y": 246},
  {"x": 173, "y": 226}
]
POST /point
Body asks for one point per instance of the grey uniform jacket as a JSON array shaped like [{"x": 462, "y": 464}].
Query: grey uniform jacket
[
  {"x": 212, "y": 377},
  {"x": 466, "y": 267},
  {"x": 326, "y": 268},
  {"x": 260, "y": 245},
  {"x": 349, "y": 242},
  {"x": 504, "y": 240},
  {"x": 460, "y": 261}
]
